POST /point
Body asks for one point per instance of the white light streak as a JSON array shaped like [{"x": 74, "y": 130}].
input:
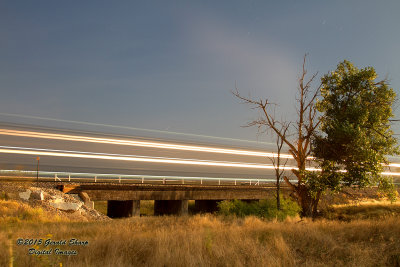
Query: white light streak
[
  {"x": 138, "y": 143},
  {"x": 131, "y": 128},
  {"x": 121, "y": 157},
  {"x": 393, "y": 165},
  {"x": 391, "y": 173},
  {"x": 92, "y": 155}
]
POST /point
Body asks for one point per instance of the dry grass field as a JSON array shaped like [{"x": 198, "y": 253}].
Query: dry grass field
[{"x": 344, "y": 239}]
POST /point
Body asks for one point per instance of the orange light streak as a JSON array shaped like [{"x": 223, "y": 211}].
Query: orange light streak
[
  {"x": 90, "y": 155},
  {"x": 79, "y": 138},
  {"x": 113, "y": 141}
]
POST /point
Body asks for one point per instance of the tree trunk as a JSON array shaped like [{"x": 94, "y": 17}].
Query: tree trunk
[
  {"x": 307, "y": 202},
  {"x": 278, "y": 199},
  {"x": 315, "y": 204}
]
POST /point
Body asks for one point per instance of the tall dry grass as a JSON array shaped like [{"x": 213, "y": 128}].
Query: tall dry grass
[
  {"x": 206, "y": 240},
  {"x": 12, "y": 211},
  {"x": 363, "y": 210}
]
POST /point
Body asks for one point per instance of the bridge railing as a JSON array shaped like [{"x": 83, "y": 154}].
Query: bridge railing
[
  {"x": 43, "y": 176},
  {"x": 124, "y": 178}
]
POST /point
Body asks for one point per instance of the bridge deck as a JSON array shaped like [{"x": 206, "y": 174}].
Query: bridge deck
[{"x": 169, "y": 192}]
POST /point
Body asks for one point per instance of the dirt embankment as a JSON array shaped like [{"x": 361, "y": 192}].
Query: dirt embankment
[{"x": 52, "y": 201}]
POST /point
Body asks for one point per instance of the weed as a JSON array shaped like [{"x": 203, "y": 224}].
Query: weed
[{"x": 264, "y": 209}]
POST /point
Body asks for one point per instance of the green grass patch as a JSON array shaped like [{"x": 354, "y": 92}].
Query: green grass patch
[{"x": 264, "y": 209}]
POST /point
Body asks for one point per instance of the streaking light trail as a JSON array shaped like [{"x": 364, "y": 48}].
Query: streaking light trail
[
  {"x": 128, "y": 128},
  {"x": 393, "y": 165},
  {"x": 138, "y": 143},
  {"x": 92, "y": 155}
]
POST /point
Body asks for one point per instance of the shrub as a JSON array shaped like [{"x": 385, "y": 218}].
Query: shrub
[{"x": 263, "y": 208}]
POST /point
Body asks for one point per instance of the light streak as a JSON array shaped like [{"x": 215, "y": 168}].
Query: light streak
[
  {"x": 132, "y": 128},
  {"x": 391, "y": 173},
  {"x": 105, "y": 156},
  {"x": 138, "y": 143},
  {"x": 393, "y": 165},
  {"x": 161, "y": 145},
  {"x": 92, "y": 155}
]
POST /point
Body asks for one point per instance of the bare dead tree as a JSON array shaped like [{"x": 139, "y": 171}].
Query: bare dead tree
[
  {"x": 277, "y": 162},
  {"x": 297, "y": 135}
]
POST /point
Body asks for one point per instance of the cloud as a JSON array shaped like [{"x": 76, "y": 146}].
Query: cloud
[{"x": 260, "y": 65}]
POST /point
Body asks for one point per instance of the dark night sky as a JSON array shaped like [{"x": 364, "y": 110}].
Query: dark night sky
[{"x": 170, "y": 65}]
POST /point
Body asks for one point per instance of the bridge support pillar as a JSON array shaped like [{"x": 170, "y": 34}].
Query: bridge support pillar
[
  {"x": 122, "y": 209},
  {"x": 206, "y": 206},
  {"x": 170, "y": 207}
]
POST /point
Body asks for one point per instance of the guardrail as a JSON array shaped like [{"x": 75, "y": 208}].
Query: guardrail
[
  {"x": 124, "y": 178},
  {"x": 44, "y": 176}
]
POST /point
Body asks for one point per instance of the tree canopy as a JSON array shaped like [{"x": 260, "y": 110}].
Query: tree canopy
[
  {"x": 355, "y": 132},
  {"x": 349, "y": 138}
]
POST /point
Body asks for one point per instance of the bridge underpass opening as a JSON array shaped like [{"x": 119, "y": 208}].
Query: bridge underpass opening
[
  {"x": 206, "y": 206},
  {"x": 124, "y": 199},
  {"x": 131, "y": 208},
  {"x": 123, "y": 208},
  {"x": 170, "y": 207}
]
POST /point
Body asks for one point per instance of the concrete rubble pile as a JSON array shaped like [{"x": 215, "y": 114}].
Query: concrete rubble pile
[{"x": 54, "y": 201}]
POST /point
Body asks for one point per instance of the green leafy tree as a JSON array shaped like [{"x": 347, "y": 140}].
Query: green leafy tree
[
  {"x": 349, "y": 138},
  {"x": 355, "y": 129}
]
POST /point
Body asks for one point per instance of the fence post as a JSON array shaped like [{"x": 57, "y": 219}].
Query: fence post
[
  {"x": 69, "y": 177},
  {"x": 95, "y": 179},
  {"x": 219, "y": 181},
  {"x": 163, "y": 181},
  {"x": 235, "y": 181},
  {"x": 119, "y": 179},
  {"x": 201, "y": 180},
  {"x": 142, "y": 180}
]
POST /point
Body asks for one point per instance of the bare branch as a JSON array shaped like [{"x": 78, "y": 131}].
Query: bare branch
[
  {"x": 298, "y": 138},
  {"x": 269, "y": 121}
]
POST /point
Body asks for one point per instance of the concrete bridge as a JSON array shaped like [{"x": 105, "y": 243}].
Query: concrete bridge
[{"x": 124, "y": 199}]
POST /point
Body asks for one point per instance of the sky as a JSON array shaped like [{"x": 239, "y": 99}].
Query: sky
[{"x": 171, "y": 65}]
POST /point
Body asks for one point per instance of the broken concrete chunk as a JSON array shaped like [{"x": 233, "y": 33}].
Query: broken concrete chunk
[
  {"x": 25, "y": 195},
  {"x": 66, "y": 206},
  {"x": 39, "y": 195},
  {"x": 89, "y": 204},
  {"x": 60, "y": 204},
  {"x": 85, "y": 198}
]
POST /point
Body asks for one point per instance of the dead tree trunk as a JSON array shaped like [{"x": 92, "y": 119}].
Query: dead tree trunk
[
  {"x": 298, "y": 139},
  {"x": 276, "y": 161}
]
